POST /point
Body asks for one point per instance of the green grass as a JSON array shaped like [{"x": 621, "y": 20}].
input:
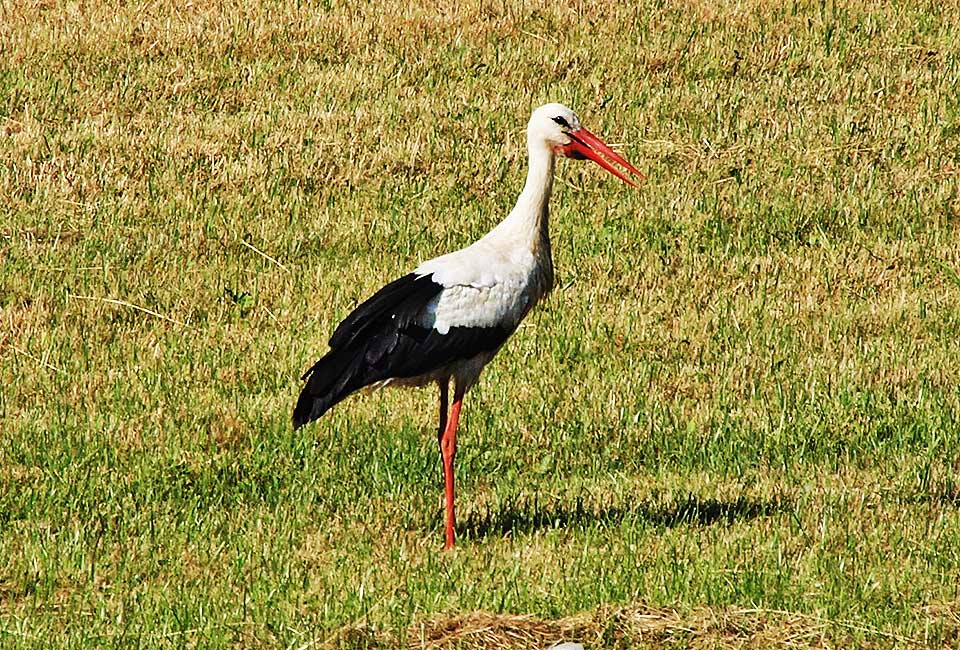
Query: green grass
[{"x": 740, "y": 406}]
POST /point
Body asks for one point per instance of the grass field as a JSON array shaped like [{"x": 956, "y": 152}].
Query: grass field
[{"x": 735, "y": 422}]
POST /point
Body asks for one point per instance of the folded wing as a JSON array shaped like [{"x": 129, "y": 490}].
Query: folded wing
[{"x": 403, "y": 331}]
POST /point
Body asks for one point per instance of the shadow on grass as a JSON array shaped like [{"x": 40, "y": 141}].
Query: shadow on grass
[
  {"x": 948, "y": 496},
  {"x": 529, "y": 516}
]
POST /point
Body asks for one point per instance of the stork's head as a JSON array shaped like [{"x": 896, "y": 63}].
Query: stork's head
[{"x": 559, "y": 128}]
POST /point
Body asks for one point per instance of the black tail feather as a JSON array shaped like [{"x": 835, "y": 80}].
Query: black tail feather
[
  {"x": 361, "y": 343},
  {"x": 330, "y": 380}
]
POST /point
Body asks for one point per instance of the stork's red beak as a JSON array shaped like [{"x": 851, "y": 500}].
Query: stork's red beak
[{"x": 584, "y": 144}]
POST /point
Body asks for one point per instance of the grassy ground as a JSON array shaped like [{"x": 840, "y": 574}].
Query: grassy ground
[{"x": 736, "y": 421}]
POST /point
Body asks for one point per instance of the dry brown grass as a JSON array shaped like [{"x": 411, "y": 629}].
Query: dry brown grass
[
  {"x": 643, "y": 626},
  {"x": 733, "y": 424}
]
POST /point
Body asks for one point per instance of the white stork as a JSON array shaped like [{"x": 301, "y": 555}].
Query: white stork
[{"x": 448, "y": 318}]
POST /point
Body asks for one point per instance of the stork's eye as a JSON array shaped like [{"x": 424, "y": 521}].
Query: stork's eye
[{"x": 561, "y": 121}]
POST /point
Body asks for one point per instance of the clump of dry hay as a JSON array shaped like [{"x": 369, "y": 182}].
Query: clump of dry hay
[
  {"x": 481, "y": 629},
  {"x": 604, "y": 627},
  {"x": 640, "y": 626}
]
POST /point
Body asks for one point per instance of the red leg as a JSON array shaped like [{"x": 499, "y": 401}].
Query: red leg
[{"x": 448, "y": 449}]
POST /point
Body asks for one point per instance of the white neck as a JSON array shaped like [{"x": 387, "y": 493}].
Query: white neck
[{"x": 529, "y": 221}]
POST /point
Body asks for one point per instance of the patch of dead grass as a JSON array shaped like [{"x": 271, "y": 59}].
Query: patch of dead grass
[{"x": 644, "y": 626}]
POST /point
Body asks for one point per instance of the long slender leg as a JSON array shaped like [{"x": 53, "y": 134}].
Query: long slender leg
[{"x": 448, "y": 449}]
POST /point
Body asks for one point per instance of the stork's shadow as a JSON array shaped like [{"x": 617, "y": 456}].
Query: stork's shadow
[{"x": 520, "y": 517}]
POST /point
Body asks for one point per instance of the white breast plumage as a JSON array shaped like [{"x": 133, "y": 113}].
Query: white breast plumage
[{"x": 482, "y": 288}]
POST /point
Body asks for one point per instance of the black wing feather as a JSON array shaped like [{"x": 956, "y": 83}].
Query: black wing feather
[
  {"x": 400, "y": 301},
  {"x": 379, "y": 340}
]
